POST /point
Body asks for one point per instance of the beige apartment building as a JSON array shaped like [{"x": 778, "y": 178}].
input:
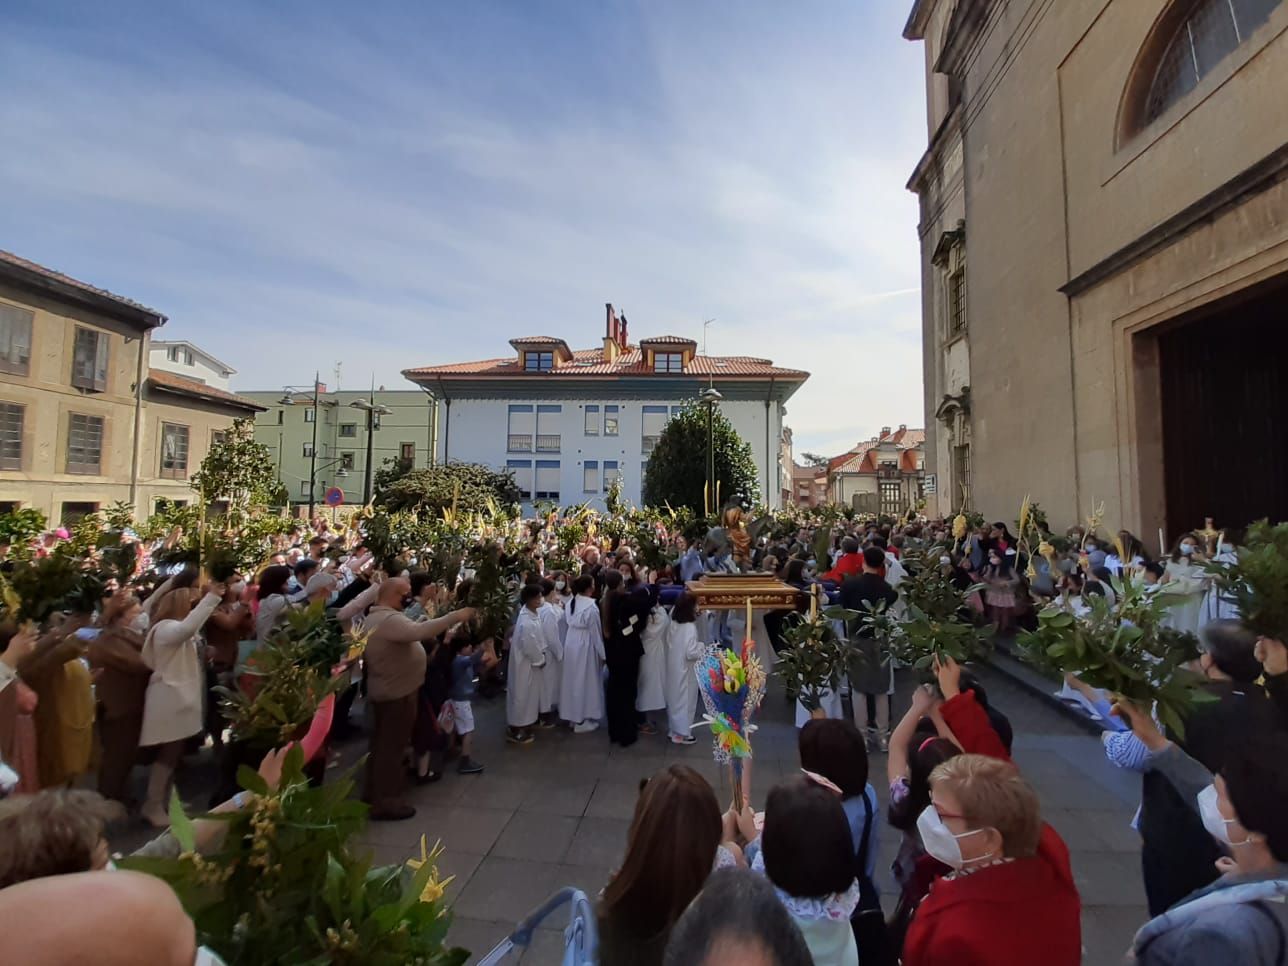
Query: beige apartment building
[
  {"x": 1104, "y": 238},
  {"x": 84, "y": 422}
]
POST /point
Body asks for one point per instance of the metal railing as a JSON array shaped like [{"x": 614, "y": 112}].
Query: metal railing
[
  {"x": 519, "y": 444},
  {"x": 548, "y": 443}
]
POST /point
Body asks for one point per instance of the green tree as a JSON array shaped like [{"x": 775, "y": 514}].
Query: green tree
[
  {"x": 677, "y": 469},
  {"x": 393, "y": 469},
  {"x": 241, "y": 471},
  {"x": 467, "y": 486}
]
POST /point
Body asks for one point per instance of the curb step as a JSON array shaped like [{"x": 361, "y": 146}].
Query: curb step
[{"x": 1039, "y": 685}]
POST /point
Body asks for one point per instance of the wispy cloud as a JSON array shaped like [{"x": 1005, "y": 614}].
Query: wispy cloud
[{"x": 296, "y": 185}]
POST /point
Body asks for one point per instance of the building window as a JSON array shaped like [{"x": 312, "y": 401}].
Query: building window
[
  {"x": 11, "y": 420},
  {"x": 217, "y": 437},
  {"x": 84, "y": 443},
  {"x": 957, "y": 301},
  {"x": 548, "y": 428},
  {"x": 521, "y": 470},
  {"x": 522, "y": 427},
  {"x": 676, "y": 410},
  {"x": 306, "y": 490},
  {"x": 590, "y": 476},
  {"x": 611, "y": 474},
  {"x": 407, "y": 451},
  {"x": 281, "y": 416},
  {"x": 174, "y": 451},
  {"x": 308, "y": 451},
  {"x": 890, "y": 501},
  {"x": 547, "y": 485},
  {"x": 1208, "y": 34},
  {"x": 89, "y": 360},
  {"x": 310, "y": 415},
  {"x": 348, "y": 430},
  {"x": 75, "y": 512},
  {"x": 668, "y": 362},
  {"x": 346, "y": 461},
  {"x": 15, "y": 339},
  {"x": 961, "y": 473},
  {"x": 538, "y": 361},
  {"x": 610, "y": 420},
  {"x": 592, "y": 420},
  {"x": 654, "y": 421}
]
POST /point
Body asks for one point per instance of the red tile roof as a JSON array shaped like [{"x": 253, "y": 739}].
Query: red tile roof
[
  {"x": 862, "y": 458},
  {"x": 23, "y": 265},
  {"x": 169, "y": 382},
  {"x": 590, "y": 362},
  {"x": 537, "y": 340},
  {"x": 668, "y": 340}
]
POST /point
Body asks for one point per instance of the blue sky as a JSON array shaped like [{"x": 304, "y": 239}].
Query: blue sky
[{"x": 393, "y": 184}]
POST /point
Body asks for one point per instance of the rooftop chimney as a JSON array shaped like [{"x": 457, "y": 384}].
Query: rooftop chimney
[
  {"x": 612, "y": 334},
  {"x": 624, "y": 340},
  {"x": 885, "y": 431}
]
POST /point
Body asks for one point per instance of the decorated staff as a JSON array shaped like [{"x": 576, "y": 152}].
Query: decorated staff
[{"x": 732, "y": 685}]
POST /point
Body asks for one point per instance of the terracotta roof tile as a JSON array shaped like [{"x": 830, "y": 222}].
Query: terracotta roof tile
[
  {"x": 199, "y": 390},
  {"x": 591, "y": 362},
  {"x": 668, "y": 340},
  {"x": 537, "y": 340},
  {"x": 16, "y": 261}
]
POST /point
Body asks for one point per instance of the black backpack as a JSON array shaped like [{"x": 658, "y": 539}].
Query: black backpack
[{"x": 868, "y": 921}]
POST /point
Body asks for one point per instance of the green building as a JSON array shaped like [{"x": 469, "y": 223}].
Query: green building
[{"x": 323, "y": 438}]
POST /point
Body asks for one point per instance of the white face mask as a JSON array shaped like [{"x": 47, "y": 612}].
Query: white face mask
[
  {"x": 1217, "y": 825},
  {"x": 1187, "y": 549},
  {"x": 940, "y": 842},
  {"x": 238, "y": 588},
  {"x": 206, "y": 957},
  {"x": 140, "y": 622},
  {"x": 559, "y": 585}
]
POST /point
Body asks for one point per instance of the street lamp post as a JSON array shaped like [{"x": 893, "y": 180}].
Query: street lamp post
[
  {"x": 710, "y": 397},
  {"x": 289, "y": 400},
  {"x": 372, "y": 410}
]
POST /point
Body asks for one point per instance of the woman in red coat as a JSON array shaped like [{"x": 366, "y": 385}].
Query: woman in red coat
[{"x": 1010, "y": 900}]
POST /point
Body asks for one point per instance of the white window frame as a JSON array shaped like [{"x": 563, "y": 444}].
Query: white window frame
[{"x": 590, "y": 476}]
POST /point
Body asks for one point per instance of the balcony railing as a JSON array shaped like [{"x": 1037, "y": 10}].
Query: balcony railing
[
  {"x": 548, "y": 444},
  {"x": 519, "y": 444},
  {"x": 648, "y": 444}
]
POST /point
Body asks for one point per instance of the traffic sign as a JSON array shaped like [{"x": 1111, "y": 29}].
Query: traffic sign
[
  {"x": 334, "y": 496},
  {"x": 930, "y": 482}
]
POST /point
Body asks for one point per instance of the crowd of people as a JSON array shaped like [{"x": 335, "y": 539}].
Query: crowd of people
[{"x": 609, "y": 646}]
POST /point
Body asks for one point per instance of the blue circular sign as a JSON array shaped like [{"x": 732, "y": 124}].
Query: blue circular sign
[{"x": 334, "y": 496}]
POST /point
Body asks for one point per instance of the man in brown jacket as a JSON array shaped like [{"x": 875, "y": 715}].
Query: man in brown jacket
[{"x": 395, "y": 659}]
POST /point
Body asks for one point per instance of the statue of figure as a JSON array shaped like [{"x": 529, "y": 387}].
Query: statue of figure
[{"x": 736, "y": 530}]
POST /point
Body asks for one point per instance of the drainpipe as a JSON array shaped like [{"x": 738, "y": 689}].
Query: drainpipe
[
  {"x": 138, "y": 424},
  {"x": 768, "y": 455},
  {"x": 431, "y": 425}
]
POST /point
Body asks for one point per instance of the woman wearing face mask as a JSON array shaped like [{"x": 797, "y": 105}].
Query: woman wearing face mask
[
  {"x": 1176, "y": 854},
  {"x": 1185, "y": 584},
  {"x": 1243, "y": 916},
  {"x": 1002, "y": 583},
  {"x": 116, "y": 655},
  {"x": 1011, "y": 897}
]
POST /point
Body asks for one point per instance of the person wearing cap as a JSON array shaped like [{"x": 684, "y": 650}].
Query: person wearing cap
[{"x": 320, "y": 587}]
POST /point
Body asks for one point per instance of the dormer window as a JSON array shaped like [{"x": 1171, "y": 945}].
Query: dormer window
[
  {"x": 668, "y": 362},
  {"x": 538, "y": 361}
]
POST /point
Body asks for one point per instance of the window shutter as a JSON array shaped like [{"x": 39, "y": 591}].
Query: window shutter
[{"x": 100, "y": 361}]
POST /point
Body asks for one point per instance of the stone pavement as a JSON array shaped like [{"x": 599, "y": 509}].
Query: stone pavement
[{"x": 556, "y": 813}]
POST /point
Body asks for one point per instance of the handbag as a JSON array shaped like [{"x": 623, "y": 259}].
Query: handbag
[
  {"x": 447, "y": 718},
  {"x": 868, "y": 921}
]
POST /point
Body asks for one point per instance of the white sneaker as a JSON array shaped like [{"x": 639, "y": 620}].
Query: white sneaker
[
  {"x": 585, "y": 727},
  {"x": 686, "y": 740}
]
